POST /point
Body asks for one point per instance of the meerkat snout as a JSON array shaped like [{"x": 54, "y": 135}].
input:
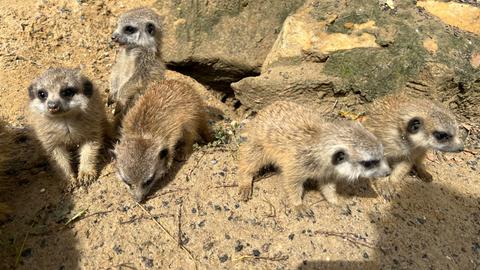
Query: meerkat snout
[{"x": 141, "y": 176}]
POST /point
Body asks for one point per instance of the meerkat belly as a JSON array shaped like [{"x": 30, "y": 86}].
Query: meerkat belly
[{"x": 123, "y": 71}]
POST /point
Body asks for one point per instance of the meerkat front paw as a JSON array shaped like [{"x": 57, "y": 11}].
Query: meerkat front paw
[
  {"x": 385, "y": 189},
  {"x": 245, "y": 192},
  {"x": 304, "y": 211},
  {"x": 86, "y": 177},
  {"x": 423, "y": 175}
]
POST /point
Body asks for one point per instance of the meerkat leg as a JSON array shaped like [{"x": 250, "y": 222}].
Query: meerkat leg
[
  {"x": 87, "y": 170},
  {"x": 420, "y": 169},
  {"x": 61, "y": 158},
  {"x": 204, "y": 131},
  {"x": 329, "y": 192},
  {"x": 251, "y": 160},
  {"x": 293, "y": 187},
  {"x": 186, "y": 148},
  {"x": 385, "y": 186}
]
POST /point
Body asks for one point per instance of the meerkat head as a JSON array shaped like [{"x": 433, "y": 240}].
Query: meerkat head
[
  {"x": 140, "y": 163},
  {"x": 139, "y": 27},
  {"x": 433, "y": 128},
  {"x": 60, "y": 91},
  {"x": 354, "y": 152}
]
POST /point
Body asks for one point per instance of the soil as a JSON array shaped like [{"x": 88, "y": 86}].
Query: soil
[{"x": 195, "y": 220}]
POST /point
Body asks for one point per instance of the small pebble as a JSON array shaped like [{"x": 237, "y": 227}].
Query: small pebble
[
  {"x": 118, "y": 250},
  {"x": 201, "y": 223},
  {"x": 147, "y": 262},
  {"x": 256, "y": 253},
  {"x": 27, "y": 253},
  {"x": 194, "y": 210},
  {"x": 291, "y": 236},
  {"x": 365, "y": 255},
  {"x": 42, "y": 190},
  {"x": 238, "y": 247},
  {"x": 223, "y": 258},
  {"x": 214, "y": 161}
]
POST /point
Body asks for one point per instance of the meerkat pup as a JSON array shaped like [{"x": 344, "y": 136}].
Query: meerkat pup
[
  {"x": 169, "y": 114},
  {"x": 303, "y": 145},
  {"x": 67, "y": 113},
  {"x": 408, "y": 127},
  {"x": 138, "y": 60}
]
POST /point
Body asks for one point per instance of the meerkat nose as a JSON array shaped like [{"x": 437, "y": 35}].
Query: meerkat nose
[
  {"x": 53, "y": 106},
  {"x": 115, "y": 37}
]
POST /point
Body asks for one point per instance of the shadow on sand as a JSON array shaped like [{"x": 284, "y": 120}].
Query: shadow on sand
[
  {"x": 35, "y": 235},
  {"x": 428, "y": 226}
]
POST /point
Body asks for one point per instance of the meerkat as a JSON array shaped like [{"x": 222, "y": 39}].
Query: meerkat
[
  {"x": 408, "y": 127},
  {"x": 139, "y": 60},
  {"x": 169, "y": 114},
  {"x": 303, "y": 145},
  {"x": 66, "y": 113}
]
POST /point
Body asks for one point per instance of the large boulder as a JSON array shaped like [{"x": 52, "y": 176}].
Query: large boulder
[
  {"x": 327, "y": 50},
  {"x": 221, "y": 41}
]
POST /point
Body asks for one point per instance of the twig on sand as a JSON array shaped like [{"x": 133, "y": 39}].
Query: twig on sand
[
  {"x": 226, "y": 186},
  {"x": 189, "y": 175},
  {"x": 353, "y": 238},
  {"x": 275, "y": 258},
  {"x": 180, "y": 225},
  {"x": 77, "y": 215},
  {"x": 20, "y": 251},
  {"x": 169, "y": 234}
]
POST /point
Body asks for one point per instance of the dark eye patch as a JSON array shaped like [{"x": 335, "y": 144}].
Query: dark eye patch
[
  {"x": 369, "y": 164},
  {"x": 339, "y": 157},
  {"x": 163, "y": 154},
  {"x": 42, "y": 94},
  {"x": 87, "y": 88},
  {"x": 129, "y": 29},
  {"x": 68, "y": 92},
  {"x": 150, "y": 28},
  {"x": 442, "y": 136},
  {"x": 414, "y": 125},
  {"x": 149, "y": 181}
]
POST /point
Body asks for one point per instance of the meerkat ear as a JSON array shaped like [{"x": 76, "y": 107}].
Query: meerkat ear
[
  {"x": 414, "y": 125},
  {"x": 31, "y": 94},
  {"x": 339, "y": 157},
  {"x": 87, "y": 87}
]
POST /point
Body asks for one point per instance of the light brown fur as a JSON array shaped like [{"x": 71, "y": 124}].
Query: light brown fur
[
  {"x": 170, "y": 112},
  {"x": 82, "y": 128},
  {"x": 388, "y": 119},
  {"x": 138, "y": 61},
  {"x": 302, "y": 144}
]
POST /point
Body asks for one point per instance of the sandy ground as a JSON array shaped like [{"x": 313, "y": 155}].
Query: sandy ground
[{"x": 194, "y": 219}]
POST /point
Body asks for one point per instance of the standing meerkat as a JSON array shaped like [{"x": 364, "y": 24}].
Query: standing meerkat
[
  {"x": 66, "y": 112},
  {"x": 303, "y": 145},
  {"x": 408, "y": 127},
  {"x": 138, "y": 60},
  {"x": 169, "y": 114}
]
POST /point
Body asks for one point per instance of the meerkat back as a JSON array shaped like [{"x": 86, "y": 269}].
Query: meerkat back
[{"x": 169, "y": 114}]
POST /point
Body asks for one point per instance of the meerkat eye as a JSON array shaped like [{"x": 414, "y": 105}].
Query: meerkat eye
[
  {"x": 42, "y": 94},
  {"x": 414, "y": 125},
  {"x": 163, "y": 154},
  {"x": 129, "y": 29},
  {"x": 369, "y": 164},
  {"x": 68, "y": 92},
  {"x": 441, "y": 136},
  {"x": 338, "y": 157},
  {"x": 150, "y": 28}
]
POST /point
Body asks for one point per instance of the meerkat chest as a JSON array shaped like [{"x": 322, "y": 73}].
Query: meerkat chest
[
  {"x": 123, "y": 70},
  {"x": 66, "y": 132}
]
